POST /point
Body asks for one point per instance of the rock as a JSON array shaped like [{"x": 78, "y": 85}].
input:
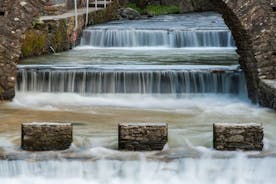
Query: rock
[
  {"x": 142, "y": 136},
  {"x": 56, "y": 9},
  {"x": 129, "y": 13},
  {"x": 238, "y": 136},
  {"x": 46, "y": 136}
]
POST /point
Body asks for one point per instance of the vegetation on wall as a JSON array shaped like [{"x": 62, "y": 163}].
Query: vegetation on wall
[
  {"x": 135, "y": 7},
  {"x": 34, "y": 44},
  {"x": 162, "y": 10},
  {"x": 155, "y": 9}
]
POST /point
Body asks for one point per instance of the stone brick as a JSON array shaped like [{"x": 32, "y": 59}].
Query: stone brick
[
  {"x": 238, "y": 136},
  {"x": 46, "y": 136},
  {"x": 142, "y": 136}
]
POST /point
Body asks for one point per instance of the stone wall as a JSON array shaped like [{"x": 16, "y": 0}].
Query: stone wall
[
  {"x": 2, "y": 7},
  {"x": 56, "y": 35},
  {"x": 17, "y": 19}
]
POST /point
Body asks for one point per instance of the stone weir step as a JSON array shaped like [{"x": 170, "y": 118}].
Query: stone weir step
[
  {"x": 141, "y": 136},
  {"x": 46, "y": 136},
  {"x": 129, "y": 68},
  {"x": 174, "y": 79}
]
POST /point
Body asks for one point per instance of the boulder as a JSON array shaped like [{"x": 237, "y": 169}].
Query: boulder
[{"x": 129, "y": 13}]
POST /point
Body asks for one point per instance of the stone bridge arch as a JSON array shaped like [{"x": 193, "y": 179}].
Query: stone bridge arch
[{"x": 252, "y": 23}]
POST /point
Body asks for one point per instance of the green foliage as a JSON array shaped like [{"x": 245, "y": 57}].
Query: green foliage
[
  {"x": 135, "y": 7},
  {"x": 35, "y": 43},
  {"x": 162, "y": 10},
  {"x": 155, "y": 9}
]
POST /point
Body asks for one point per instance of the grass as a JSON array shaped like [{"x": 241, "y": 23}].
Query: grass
[
  {"x": 155, "y": 9},
  {"x": 135, "y": 7},
  {"x": 162, "y": 10}
]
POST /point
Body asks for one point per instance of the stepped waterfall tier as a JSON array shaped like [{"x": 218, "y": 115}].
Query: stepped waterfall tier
[
  {"x": 173, "y": 38},
  {"x": 179, "y": 70},
  {"x": 143, "y": 80},
  {"x": 175, "y": 32}
]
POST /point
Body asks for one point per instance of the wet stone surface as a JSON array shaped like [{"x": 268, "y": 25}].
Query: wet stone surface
[
  {"x": 46, "y": 136},
  {"x": 142, "y": 136},
  {"x": 238, "y": 137}
]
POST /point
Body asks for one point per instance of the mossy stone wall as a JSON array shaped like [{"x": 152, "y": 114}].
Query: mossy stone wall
[{"x": 49, "y": 36}]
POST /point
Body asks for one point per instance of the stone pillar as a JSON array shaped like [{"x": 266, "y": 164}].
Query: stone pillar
[
  {"x": 142, "y": 136},
  {"x": 238, "y": 137},
  {"x": 46, "y": 136}
]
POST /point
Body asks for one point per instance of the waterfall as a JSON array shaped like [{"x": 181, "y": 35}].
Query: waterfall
[
  {"x": 171, "y": 38},
  {"x": 146, "y": 81},
  {"x": 229, "y": 171}
]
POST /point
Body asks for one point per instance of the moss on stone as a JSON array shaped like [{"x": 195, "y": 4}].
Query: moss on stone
[
  {"x": 162, "y": 10},
  {"x": 154, "y": 9},
  {"x": 135, "y": 7},
  {"x": 59, "y": 37},
  {"x": 34, "y": 44}
]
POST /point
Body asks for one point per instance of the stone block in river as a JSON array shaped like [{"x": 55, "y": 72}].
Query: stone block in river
[
  {"x": 142, "y": 136},
  {"x": 247, "y": 137},
  {"x": 46, "y": 136}
]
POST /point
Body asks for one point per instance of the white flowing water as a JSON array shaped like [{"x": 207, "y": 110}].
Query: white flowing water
[
  {"x": 163, "y": 31},
  {"x": 147, "y": 79},
  {"x": 179, "y": 69}
]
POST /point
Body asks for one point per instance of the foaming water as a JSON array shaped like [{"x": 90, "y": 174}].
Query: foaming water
[
  {"x": 239, "y": 170},
  {"x": 190, "y": 117},
  {"x": 179, "y": 101}
]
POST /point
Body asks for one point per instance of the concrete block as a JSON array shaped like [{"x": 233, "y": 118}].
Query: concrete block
[
  {"x": 142, "y": 136},
  {"x": 247, "y": 137},
  {"x": 46, "y": 136}
]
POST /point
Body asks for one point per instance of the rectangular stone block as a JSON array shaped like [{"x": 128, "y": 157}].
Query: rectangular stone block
[
  {"x": 142, "y": 136},
  {"x": 247, "y": 137},
  {"x": 46, "y": 136}
]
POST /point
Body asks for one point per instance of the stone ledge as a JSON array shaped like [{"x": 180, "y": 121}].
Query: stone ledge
[
  {"x": 142, "y": 136},
  {"x": 46, "y": 136},
  {"x": 238, "y": 137}
]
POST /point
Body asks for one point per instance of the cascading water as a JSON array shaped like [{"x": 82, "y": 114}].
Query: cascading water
[
  {"x": 179, "y": 69},
  {"x": 126, "y": 80},
  {"x": 164, "y": 31},
  {"x": 102, "y": 37}
]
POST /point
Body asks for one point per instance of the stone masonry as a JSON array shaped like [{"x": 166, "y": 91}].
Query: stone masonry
[
  {"x": 46, "y": 136},
  {"x": 142, "y": 136},
  {"x": 238, "y": 137}
]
